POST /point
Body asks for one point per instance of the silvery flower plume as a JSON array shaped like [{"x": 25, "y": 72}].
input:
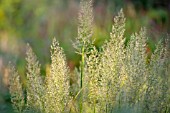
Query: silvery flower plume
[
  {"x": 157, "y": 93},
  {"x": 112, "y": 60},
  {"x": 136, "y": 64},
  {"x": 16, "y": 91},
  {"x": 84, "y": 40},
  {"x": 85, "y": 27},
  {"x": 57, "y": 83},
  {"x": 35, "y": 86},
  {"x": 92, "y": 81}
]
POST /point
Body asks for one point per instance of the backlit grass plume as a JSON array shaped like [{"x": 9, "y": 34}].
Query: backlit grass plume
[
  {"x": 92, "y": 81},
  {"x": 84, "y": 42},
  {"x": 85, "y": 26},
  {"x": 35, "y": 87},
  {"x": 15, "y": 88},
  {"x": 112, "y": 62},
  {"x": 157, "y": 92},
  {"x": 57, "y": 83}
]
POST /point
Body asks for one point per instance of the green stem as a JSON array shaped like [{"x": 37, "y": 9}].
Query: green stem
[
  {"x": 81, "y": 80},
  {"x": 94, "y": 107},
  {"x": 82, "y": 67}
]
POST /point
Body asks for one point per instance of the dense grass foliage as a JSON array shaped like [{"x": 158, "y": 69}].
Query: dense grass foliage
[{"x": 115, "y": 78}]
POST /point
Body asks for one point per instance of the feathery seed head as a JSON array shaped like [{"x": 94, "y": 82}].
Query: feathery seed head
[
  {"x": 57, "y": 85},
  {"x": 35, "y": 86},
  {"x": 16, "y": 91},
  {"x": 85, "y": 26}
]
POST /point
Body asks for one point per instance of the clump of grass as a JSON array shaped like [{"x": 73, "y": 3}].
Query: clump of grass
[
  {"x": 116, "y": 78},
  {"x": 45, "y": 96}
]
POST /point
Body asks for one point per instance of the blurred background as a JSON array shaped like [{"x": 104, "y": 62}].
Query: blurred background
[{"x": 37, "y": 22}]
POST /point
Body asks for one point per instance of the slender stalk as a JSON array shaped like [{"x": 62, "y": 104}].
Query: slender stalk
[
  {"x": 82, "y": 67},
  {"x": 106, "y": 108},
  {"x": 94, "y": 107},
  {"x": 81, "y": 80}
]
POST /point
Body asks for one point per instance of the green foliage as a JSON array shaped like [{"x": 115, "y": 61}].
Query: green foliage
[{"x": 113, "y": 79}]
